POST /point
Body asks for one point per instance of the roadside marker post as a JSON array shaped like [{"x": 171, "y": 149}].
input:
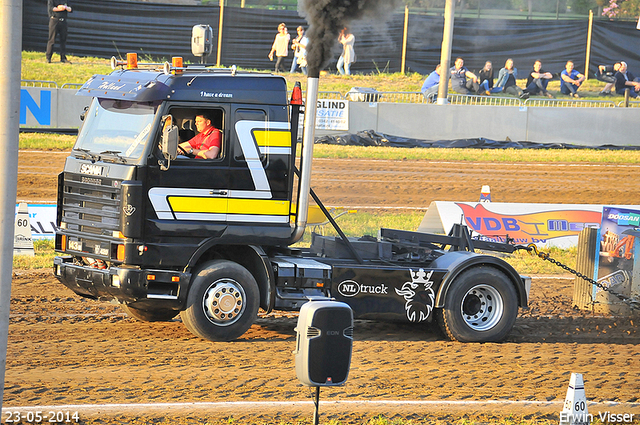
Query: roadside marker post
[
  {"x": 22, "y": 241},
  {"x": 485, "y": 193},
  {"x": 575, "y": 410}
]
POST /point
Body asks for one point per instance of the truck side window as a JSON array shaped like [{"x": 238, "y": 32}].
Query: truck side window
[
  {"x": 200, "y": 132},
  {"x": 247, "y": 135}
]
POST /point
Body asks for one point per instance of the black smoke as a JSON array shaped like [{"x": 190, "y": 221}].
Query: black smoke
[{"x": 326, "y": 18}]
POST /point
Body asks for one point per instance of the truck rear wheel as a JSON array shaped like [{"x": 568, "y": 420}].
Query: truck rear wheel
[
  {"x": 161, "y": 315},
  {"x": 480, "y": 306},
  {"x": 223, "y": 301}
]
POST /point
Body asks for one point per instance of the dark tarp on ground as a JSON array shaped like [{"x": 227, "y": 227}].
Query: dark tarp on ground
[
  {"x": 372, "y": 138},
  {"x": 113, "y": 28}
]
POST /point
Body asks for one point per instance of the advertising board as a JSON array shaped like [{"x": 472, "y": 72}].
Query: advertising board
[
  {"x": 542, "y": 224},
  {"x": 615, "y": 263}
]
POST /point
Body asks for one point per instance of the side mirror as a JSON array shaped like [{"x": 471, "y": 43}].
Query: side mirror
[
  {"x": 84, "y": 113},
  {"x": 169, "y": 144}
]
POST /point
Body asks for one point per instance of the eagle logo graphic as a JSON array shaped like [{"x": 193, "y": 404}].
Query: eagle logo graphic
[{"x": 418, "y": 295}]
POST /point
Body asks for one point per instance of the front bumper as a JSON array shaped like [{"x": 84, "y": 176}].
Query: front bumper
[{"x": 137, "y": 287}]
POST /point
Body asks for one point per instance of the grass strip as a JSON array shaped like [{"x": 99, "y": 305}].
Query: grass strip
[{"x": 49, "y": 141}]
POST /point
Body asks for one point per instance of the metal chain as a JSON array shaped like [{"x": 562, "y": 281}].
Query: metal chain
[{"x": 631, "y": 302}]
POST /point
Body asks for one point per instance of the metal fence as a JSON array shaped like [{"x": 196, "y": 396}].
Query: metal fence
[
  {"x": 394, "y": 97},
  {"x": 39, "y": 83},
  {"x": 417, "y": 97},
  {"x": 462, "y": 99},
  {"x": 49, "y": 84},
  {"x": 74, "y": 86},
  {"x": 322, "y": 95},
  {"x": 632, "y": 104},
  {"x": 569, "y": 103}
]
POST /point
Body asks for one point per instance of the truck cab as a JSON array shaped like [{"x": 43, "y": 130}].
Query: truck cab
[{"x": 136, "y": 218}]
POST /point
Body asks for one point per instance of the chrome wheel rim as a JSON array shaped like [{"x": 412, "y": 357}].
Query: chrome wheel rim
[
  {"x": 224, "y": 302},
  {"x": 482, "y": 307}
]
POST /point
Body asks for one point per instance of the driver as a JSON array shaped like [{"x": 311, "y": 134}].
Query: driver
[{"x": 206, "y": 144}]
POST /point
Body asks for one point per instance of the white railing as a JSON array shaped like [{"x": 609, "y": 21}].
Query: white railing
[
  {"x": 570, "y": 103},
  {"x": 39, "y": 83}
]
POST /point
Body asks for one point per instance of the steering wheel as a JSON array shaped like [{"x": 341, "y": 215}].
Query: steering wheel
[{"x": 184, "y": 152}]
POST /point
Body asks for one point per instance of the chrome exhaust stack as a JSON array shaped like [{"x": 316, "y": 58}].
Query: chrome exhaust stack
[{"x": 308, "y": 136}]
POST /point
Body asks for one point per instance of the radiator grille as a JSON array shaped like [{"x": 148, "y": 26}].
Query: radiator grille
[{"x": 91, "y": 206}]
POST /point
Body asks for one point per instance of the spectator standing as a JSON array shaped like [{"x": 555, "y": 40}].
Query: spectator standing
[
  {"x": 507, "y": 80},
  {"x": 570, "y": 80},
  {"x": 57, "y": 27},
  {"x": 430, "y": 85},
  {"x": 299, "y": 47},
  {"x": 607, "y": 74},
  {"x": 463, "y": 81},
  {"x": 485, "y": 76},
  {"x": 626, "y": 80},
  {"x": 348, "y": 55},
  {"x": 538, "y": 80},
  {"x": 280, "y": 47}
]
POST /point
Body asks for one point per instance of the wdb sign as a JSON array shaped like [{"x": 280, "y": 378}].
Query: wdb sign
[{"x": 543, "y": 224}]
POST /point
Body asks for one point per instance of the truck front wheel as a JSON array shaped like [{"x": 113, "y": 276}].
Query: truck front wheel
[
  {"x": 162, "y": 315},
  {"x": 480, "y": 306},
  {"x": 223, "y": 301}
]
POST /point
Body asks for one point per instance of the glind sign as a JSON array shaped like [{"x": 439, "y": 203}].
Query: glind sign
[{"x": 333, "y": 114}]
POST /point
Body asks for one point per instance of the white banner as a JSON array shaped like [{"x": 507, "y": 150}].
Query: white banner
[
  {"x": 43, "y": 220},
  {"x": 332, "y": 114},
  {"x": 543, "y": 224}
]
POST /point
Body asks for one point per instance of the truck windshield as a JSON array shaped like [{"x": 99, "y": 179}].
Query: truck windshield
[{"x": 116, "y": 127}]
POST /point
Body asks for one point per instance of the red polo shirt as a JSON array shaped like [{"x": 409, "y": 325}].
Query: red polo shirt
[{"x": 207, "y": 139}]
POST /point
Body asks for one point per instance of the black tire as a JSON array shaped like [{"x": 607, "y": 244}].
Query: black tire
[
  {"x": 223, "y": 301},
  {"x": 161, "y": 315},
  {"x": 480, "y": 306}
]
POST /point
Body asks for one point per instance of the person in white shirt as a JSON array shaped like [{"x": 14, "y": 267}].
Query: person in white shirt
[
  {"x": 280, "y": 47},
  {"x": 299, "y": 47},
  {"x": 348, "y": 55}
]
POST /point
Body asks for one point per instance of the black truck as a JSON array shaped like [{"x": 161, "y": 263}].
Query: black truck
[{"x": 213, "y": 240}]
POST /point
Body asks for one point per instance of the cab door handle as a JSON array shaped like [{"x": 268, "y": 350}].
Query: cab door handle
[{"x": 218, "y": 192}]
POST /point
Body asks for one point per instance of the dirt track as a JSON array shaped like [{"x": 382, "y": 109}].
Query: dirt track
[
  {"x": 379, "y": 183},
  {"x": 65, "y": 350}
]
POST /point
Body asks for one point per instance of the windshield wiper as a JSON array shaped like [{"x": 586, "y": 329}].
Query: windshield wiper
[
  {"x": 113, "y": 153},
  {"x": 87, "y": 155}
]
